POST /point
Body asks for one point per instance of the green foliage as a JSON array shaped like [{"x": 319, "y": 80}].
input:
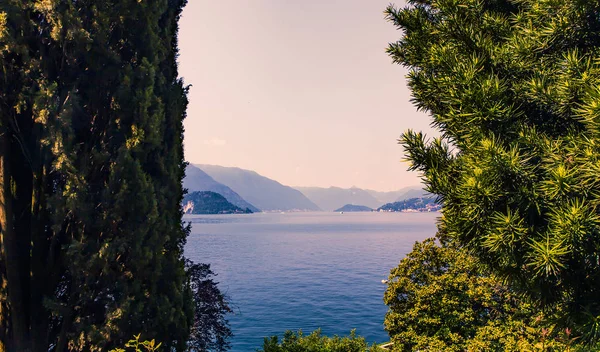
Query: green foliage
[
  {"x": 315, "y": 342},
  {"x": 439, "y": 300},
  {"x": 91, "y": 164},
  {"x": 135, "y": 345},
  {"x": 512, "y": 85}
]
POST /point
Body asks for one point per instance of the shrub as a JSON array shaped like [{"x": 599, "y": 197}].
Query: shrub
[
  {"x": 315, "y": 342},
  {"x": 440, "y": 300}
]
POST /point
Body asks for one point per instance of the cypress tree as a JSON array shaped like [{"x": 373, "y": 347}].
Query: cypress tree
[
  {"x": 91, "y": 163},
  {"x": 512, "y": 85}
]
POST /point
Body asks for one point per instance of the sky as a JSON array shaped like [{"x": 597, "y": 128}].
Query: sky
[{"x": 300, "y": 91}]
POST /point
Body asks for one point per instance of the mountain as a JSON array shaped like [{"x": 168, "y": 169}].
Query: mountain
[
  {"x": 334, "y": 197},
  {"x": 197, "y": 180},
  {"x": 267, "y": 194},
  {"x": 413, "y": 192},
  {"x": 353, "y": 208},
  {"x": 385, "y": 197},
  {"x": 399, "y": 195},
  {"x": 413, "y": 204},
  {"x": 206, "y": 202}
]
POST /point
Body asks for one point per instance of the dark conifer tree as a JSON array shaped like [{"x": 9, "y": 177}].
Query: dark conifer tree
[{"x": 91, "y": 163}]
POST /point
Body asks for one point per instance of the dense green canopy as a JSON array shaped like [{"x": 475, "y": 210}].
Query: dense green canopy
[
  {"x": 513, "y": 87},
  {"x": 91, "y": 163},
  {"x": 440, "y": 300}
]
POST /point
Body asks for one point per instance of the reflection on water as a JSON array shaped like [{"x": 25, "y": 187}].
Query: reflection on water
[{"x": 305, "y": 270}]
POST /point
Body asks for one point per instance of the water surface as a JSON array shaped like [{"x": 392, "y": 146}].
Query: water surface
[{"x": 305, "y": 270}]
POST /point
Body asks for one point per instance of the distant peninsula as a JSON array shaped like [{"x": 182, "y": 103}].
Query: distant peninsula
[
  {"x": 207, "y": 202},
  {"x": 423, "y": 204},
  {"x": 353, "y": 208}
]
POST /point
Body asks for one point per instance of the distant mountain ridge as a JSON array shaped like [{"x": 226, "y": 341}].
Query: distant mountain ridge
[
  {"x": 197, "y": 180},
  {"x": 264, "y": 193},
  {"x": 399, "y": 195},
  {"x": 334, "y": 197},
  {"x": 412, "y": 192},
  {"x": 248, "y": 189}
]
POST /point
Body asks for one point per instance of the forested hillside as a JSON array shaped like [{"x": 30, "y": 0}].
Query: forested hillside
[
  {"x": 413, "y": 204},
  {"x": 210, "y": 203}
]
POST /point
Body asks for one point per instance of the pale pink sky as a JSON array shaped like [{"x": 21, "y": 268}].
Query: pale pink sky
[{"x": 299, "y": 91}]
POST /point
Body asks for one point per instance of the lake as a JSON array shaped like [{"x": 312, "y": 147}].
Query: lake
[{"x": 305, "y": 270}]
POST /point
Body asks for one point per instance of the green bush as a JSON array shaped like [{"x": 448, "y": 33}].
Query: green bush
[
  {"x": 315, "y": 342},
  {"x": 440, "y": 300}
]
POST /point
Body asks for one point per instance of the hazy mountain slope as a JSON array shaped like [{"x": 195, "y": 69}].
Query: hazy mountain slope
[
  {"x": 386, "y": 197},
  {"x": 197, "y": 180},
  {"x": 334, "y": 197},
  {"x": 263, "y": 192},
  {"x": 401, "y": 194},
  {"x": 412, "y": 192}
]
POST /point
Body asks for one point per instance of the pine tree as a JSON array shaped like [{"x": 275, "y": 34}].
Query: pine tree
[
  {"x": 91, "y": 163},
  {"x": 512, "y": 86}
]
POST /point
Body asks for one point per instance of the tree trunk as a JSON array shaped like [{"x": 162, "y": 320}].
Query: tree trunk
[
  {"x": 40, "y": 273},
  {"x": 4, "y": 314},
  {"x": 18, "y": 340}
]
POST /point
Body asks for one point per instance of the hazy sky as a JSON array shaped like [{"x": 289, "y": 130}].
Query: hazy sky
[{"x": 300, "y": 91}]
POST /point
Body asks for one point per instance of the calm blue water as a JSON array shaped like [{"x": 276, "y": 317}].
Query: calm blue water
[{"x": 305, "y": 270}]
